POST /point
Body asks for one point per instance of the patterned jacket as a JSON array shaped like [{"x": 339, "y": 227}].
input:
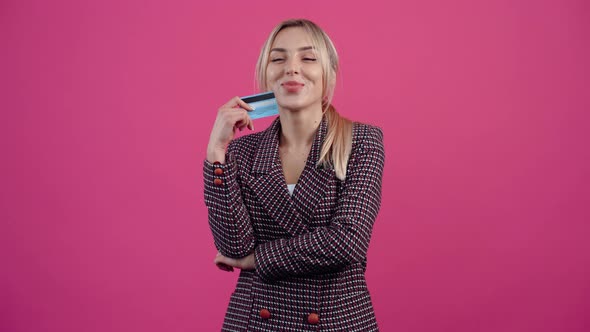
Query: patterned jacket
[{"x": 310, "y": 247}]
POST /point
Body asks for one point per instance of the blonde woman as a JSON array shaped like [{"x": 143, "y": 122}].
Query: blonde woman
[{"x": 293, "y": 206}]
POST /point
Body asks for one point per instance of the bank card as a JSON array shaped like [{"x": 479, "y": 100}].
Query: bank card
[{"x": 264, "y": 105}]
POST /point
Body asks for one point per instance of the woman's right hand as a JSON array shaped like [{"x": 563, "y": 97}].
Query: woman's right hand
[{"x": 231, "y": 117}]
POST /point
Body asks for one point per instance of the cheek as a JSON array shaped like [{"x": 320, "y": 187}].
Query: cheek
[
  {"x": 272, "y": 72},
  {"x": 318, "y": 79},
  {"x": 271, "y": 77},
  {"x": 315, "y": 74}
]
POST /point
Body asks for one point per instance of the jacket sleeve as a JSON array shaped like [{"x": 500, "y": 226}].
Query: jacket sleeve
[
  {"x": 229, "y": 219},
  {"x": 346, "y": 239}
]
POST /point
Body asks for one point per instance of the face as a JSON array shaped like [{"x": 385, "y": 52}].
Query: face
[{"x": 294, "y": 72}]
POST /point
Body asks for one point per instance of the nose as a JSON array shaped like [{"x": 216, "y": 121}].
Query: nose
[{"x": 293, "y": 66}]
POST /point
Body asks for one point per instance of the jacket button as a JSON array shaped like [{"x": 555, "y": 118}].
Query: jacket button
[
  {"x": 218, "y": 171},
  {"x": 265, "y": 314},
  {"x": 217, "y": 182},
  {"x": 313, "y": 318}
]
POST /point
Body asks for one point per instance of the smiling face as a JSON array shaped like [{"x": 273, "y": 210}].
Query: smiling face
[{"x": 294, "y": 72}]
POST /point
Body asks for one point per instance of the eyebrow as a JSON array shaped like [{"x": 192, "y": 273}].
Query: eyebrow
[{"x": 306, "y": 48}]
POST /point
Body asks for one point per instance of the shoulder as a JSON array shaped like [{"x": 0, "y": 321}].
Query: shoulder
[{"x": 366, "y": 136}]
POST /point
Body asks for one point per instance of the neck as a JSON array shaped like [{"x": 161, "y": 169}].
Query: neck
[{"x": 298, "y": 128}]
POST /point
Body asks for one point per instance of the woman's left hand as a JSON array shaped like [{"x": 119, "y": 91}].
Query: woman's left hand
[{"x": 228, "y": 264}]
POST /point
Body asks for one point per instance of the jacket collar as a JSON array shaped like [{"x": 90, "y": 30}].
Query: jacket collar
[{"x": 267, "y": 152}]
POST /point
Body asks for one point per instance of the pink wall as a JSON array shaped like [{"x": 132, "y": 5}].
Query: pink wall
[{"x": 106, "y": 112}]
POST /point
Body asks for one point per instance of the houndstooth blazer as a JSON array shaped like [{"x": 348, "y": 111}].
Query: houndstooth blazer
[{"x": 310, "y": 247}]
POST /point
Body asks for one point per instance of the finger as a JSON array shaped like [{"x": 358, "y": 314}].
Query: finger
[
  {"x": 236, "y": 101},
  {"x": 225, "y": 267},
  {"x": 246, "y": 121},
  {"x": 241, "y": 119},
  {"x": 232, "y": 102},
  {"x": 219, "y": 259},
  {"x": 226, "y": 260},
  {"x": 242, "y": 124},
  {"x": 237, "y": 115},
  {"x": 228, "y": 120},
  {"x": 244, "y": 105}
]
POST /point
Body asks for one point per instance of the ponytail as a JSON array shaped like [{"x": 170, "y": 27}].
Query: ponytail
[{"x": 338, "y": 142}]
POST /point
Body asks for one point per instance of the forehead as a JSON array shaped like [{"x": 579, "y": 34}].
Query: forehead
[{"x": 292, "y": 38}]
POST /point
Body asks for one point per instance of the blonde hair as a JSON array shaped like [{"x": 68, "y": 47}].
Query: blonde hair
[{"x": 338, "y": 142}]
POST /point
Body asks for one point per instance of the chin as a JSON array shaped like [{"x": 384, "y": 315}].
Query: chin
[
  {"x": 291, "y": 107},
  {"x": 291, "y": 104}
]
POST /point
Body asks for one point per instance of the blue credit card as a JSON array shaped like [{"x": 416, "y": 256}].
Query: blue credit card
[{"x": 264, "y": 105}]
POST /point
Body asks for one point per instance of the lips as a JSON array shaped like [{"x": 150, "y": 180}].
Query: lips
[
  {"x": 292, "y": 86},
  {"x": 292, "y": 83}
]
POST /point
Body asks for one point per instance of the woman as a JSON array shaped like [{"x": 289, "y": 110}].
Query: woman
[{"x": 293, "y": 206}]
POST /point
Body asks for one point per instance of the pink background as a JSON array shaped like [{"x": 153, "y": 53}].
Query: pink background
[{"x": 106, "y": 113}]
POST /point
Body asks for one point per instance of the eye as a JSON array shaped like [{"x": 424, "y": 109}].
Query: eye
[
  {"x": 276, "y": 59},
  {"x": 309, "y": 59}
]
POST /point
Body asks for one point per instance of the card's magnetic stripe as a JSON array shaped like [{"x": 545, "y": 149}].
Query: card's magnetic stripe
[{"x": 254, "y": 99}]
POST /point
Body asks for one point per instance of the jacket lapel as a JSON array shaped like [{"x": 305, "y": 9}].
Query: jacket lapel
[
  {"x": 269, "y": 186},
  {"x": 313, "y": 181},
  {"x": 293, "y": 213}
]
